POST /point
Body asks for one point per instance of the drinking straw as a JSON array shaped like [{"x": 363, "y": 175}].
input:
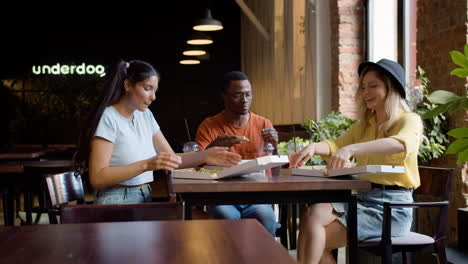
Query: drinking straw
[
  {"x": 187, "y": 129},
  {"x": 294, "y": 138}
]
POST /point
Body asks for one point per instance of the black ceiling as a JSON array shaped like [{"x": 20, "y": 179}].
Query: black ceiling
[{"x": 75, "y": 31}]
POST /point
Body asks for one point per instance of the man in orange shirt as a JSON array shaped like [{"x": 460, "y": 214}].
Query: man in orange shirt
[
  {"x": 237, "y": 127},
  {"x": 245, "y": 133}
]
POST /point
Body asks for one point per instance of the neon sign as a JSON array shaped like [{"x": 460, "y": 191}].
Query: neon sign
[{"x": 58, "y": 69}]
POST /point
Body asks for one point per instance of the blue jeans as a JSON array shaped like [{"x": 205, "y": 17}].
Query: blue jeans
[
  {"x": 370, "y": 212},
  {"x": 262, "y": 212},
  {"x": 131, "y": 195}
]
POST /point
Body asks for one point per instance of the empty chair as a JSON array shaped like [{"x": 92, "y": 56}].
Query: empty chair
[
  {"x": 85, "y": 213},
  {"x": 35, "y": 173},
  {"x": 63, "y": 188},
  {"x": 434, "y": 182}
]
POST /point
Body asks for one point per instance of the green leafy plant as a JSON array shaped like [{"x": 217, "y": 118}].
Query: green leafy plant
[
  {"x": 287, "y": 147},
  {"x": 331, "y": 127},
  {"x": 434, "y": 138},
  {"x": 450, "y": 102}
]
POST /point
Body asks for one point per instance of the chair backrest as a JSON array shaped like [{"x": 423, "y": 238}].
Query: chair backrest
[
  {"x": 65, "y": 187},
  {"x": 162, "y": 186},
  {"x": 435, "y": 182},
  {"x": 92, "y": 213}
]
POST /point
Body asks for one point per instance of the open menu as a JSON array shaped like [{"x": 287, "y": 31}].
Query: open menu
[
  {"x": 244, "y": 167},
  {"x": 321, "y": 171}
]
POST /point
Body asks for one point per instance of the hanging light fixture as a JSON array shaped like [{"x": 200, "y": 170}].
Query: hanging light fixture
[
  {"x": 208, "y": 23},
  {"x": 194, "y": 52},
  {"x": 189, "y": 62},
  {"x": 199, "y": 38}
]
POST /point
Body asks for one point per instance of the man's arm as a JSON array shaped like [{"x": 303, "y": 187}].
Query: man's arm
[
  {"x": 203, "y": 136},
  {"x": 269, "y": 133}
]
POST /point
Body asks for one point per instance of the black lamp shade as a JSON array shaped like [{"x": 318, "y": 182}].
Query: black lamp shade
[
  {"x": 208, "y": 23},
  {"x": 199, "y": 38}
]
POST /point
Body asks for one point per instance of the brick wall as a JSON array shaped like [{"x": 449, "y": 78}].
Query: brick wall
[
  {"x": 442, "y": 27},
  {"x": 346, "y": 18}
]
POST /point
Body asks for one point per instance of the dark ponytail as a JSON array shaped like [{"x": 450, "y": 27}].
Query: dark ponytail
[{"x": 133, "y": 71}]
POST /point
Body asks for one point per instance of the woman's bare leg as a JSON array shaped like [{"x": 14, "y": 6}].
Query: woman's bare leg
[
  {"x": 336, "y": 237},
  {"x": 313, "y": 235}
]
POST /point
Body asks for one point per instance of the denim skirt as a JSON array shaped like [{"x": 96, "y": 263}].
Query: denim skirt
[
  {"x": 370, "y": 212},
  {"x": 130, "y": 195}
]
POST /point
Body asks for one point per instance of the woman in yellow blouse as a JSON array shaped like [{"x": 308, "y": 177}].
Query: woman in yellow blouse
[{"x": 387, "y": 133}]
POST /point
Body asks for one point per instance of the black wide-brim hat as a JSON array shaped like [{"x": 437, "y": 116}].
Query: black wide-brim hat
[{"x": 391, "y": 68}]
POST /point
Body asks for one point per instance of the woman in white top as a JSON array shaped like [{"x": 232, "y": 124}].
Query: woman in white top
[{"x": 123, "y": 144}]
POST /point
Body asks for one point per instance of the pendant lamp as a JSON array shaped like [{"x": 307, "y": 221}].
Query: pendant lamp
[
  {"x": 194, "y": 52},
  {"x": 199, "y": 38},
  {"x": 208, "y": 23},
  {"x": 189, "y": 61}
]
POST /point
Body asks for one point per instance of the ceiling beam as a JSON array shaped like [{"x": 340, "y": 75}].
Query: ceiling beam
[{"x": 251, "y": 16}]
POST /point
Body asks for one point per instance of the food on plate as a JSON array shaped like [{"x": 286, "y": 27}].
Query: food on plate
[
  {"x": 243, "y": 138},
  {"x": 212, "y": 171}
]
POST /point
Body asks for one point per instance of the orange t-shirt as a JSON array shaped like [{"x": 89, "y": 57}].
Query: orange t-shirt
[{"x": 213, "y": 126}]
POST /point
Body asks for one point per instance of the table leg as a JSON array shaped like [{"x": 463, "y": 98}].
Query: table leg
[
  {"x": 28, "y": 204},
  {"x": 352, "y": 230},
  {"x": 283, "y": 231},
  {"x": 188, "y": 211},
  {"x": 293, "y": 235},
  {"x": 8, "y": 208}
]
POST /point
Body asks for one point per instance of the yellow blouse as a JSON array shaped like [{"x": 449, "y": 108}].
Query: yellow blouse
[{"x": 407, "y": 129}]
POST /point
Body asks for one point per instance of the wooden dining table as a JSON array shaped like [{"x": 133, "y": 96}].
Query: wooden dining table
[
  {"x": 280, "y": 187},
  {"x": 24, "y": 154},
  {"x": 169, "y": 242}
]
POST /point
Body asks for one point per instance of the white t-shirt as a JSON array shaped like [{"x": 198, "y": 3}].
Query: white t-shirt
[{"x": 133, "y": 140}]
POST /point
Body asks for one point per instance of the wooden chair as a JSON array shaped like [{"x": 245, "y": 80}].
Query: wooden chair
[
  {"x": 6, "y": 206},
  {"x": 63, "y": 188},
  {"x": 288, "y": 218},
  {"x": 36, "y": 174},
  {"x": 85, "y": 213},
  {"x": 435, "y": 182}
]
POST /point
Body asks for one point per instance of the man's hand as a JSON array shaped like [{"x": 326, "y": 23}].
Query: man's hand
[
  {"x": 270, "y": 135},
  {"x": 222, "y": 157},
  {"x": 227, "y": 141}
]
